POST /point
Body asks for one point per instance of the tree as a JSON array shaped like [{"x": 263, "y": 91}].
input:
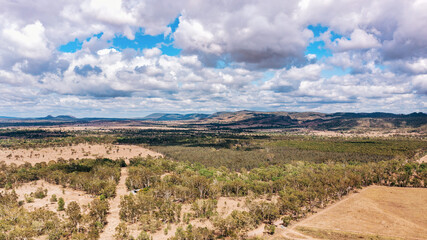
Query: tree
[
  {"x": 98, "y": 212},
  {"x": 61, "y": 204},
  {"x": 202, "y": 184},
  {"x": 74, "y": 214},
  {"x": 122, "y": 232},
  {"x": 53, "y": 198},
  {"x": 141, "y": 177}
]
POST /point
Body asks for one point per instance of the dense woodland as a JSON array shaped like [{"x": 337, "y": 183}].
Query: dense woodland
[{"x": 282, "y": 177}]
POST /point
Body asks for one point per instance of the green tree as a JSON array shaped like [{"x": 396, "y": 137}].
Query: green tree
[
  {"x": 74, "y": 214},
  {"x": 61, "y": 204}
]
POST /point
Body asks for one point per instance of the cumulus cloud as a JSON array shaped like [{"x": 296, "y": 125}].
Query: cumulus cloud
[
  {"x": 227, "y": 50},
  {"x": 413, "y": 66},
  {"x": 87, "y": 70},
  {"x": 29, "y": 42},
  {"x": 255, "y": 33},
  {"x": 420, "y": 83},
  {"x": 290, "y": 80},
  {"x": 359, "y": 39}
]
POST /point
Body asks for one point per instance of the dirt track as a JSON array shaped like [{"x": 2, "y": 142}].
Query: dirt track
[{"x": 113, "y": 218}]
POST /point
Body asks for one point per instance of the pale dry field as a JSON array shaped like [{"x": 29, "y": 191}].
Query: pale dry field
[
  {"x": 80, "y": 151},
  {"x": 379, "y": 210}
]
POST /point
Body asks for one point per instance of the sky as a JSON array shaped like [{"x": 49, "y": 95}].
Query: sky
[{"x": 130, "y": 58}]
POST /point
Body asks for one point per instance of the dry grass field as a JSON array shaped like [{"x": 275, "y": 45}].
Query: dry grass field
[
  {"x": 20, "y": 156},
  {"x": 383, "y": 211}
]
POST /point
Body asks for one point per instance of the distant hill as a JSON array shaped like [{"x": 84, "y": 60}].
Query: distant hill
[
  {"x": 58, "y": 118},
  {"x": 4, "y": 117},
  {"x": 250, "y": 120},
  {"x": 174, "y": 117},
  {"x": 313, "y": 120}
]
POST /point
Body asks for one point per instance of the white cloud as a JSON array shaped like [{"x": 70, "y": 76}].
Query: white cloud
[
  {"x": 420, "y": 83},
  {"x": 28, "y": 42},
  {"x": 153, "y": 52},
  {"x": 108, "y": 11},
  {"x": 359, "y": 39},
  {"x": 413, "y": 66},
  {"x": 254, "y": 33},
  {"x": 248, "y": 35}
]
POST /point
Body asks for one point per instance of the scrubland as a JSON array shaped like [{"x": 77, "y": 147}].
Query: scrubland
[{"x": 195, "y": 184}]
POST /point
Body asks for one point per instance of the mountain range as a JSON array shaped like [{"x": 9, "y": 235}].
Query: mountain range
[{"x": 249, "y": 120}]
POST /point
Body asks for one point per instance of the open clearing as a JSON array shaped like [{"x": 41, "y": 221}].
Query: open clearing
[
  {"x": 67, "y": 194},
  {"x": 423, "y": 159},
  {"x": 20, "y": 156},
  {"x": 383, "y": 211}
]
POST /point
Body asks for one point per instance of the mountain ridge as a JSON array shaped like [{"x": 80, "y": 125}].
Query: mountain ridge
[{"x": 340, "y": 121}]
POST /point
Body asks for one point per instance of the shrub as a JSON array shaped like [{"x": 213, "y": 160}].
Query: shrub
[
  {"x": 270, "y": 228},
  {"x": 40, "y": 193},
  {"x": 144, "y": 236},
  {"x": 122, "y": 232},
  {"x": 61, "y": 204},
  {"x": 28, "y": 198}
]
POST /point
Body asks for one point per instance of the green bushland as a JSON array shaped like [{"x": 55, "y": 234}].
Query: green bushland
[
  {"x": 254, "y": 153},
  {"x": 95, "y": 176},
  {"x": 302, "y": 187}
]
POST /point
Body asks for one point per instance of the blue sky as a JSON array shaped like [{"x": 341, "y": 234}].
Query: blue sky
[
  {"x": 140, "y": 42},
  {"x": 166, "y": 44}
]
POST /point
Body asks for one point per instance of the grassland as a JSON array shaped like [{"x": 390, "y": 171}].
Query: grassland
[{"x": 382, "y": 211}]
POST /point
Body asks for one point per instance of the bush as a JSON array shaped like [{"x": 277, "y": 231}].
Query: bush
[
  {"x": 53, "y": 198},
  {"x": 40, "y": 193},
  {"x": 193, "y": 233},
  {"x": 122, "y": 232},
  {"x": 61, "y": 204},
  {"x": 28, "y": 198},
  {"x": 270, "y": 228},
  {"x": 144, "y": 236},
  {"x": 204, "y": 208},
  {"x": 286, "y": 220}
]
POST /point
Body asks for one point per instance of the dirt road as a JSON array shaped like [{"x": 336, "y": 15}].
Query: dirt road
[{"x": 113, "y": 218}]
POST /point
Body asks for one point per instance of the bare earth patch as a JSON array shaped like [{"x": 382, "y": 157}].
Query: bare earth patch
[
  {"x": 384, "y": 211},
  {"x": 423, "y": 159},
  {"x": 20, "y": 156},
  {"x": 226, "y": 205}
]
